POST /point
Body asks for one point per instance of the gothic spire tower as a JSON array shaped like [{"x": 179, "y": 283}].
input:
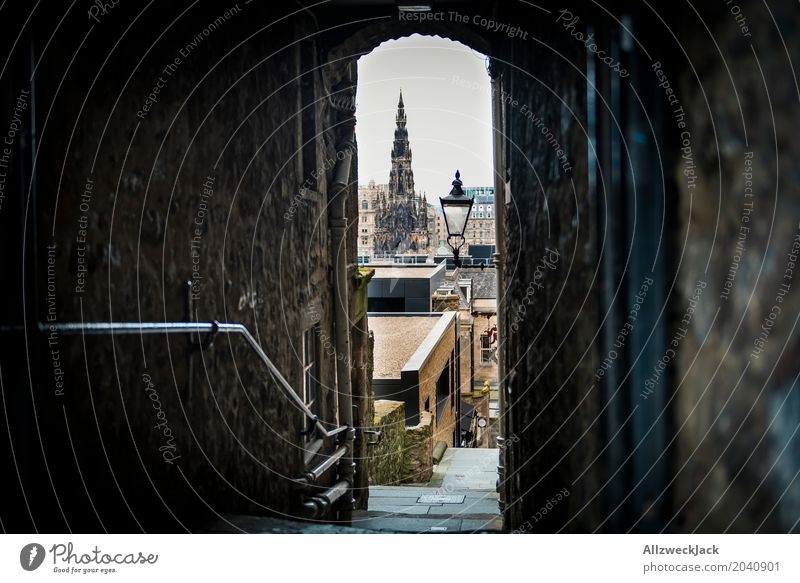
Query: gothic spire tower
[
  {"x": 401, "y": 177},
  {"x": 401, "y": 226}
]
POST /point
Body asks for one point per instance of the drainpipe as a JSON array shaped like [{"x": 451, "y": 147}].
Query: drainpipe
[{"x": 338, "y": 222}]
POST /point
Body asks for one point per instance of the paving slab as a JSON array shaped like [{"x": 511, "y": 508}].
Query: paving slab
[
  {"x": 396, "y": 501},
  {"x": 478, "y": 507},
  {"x": 400, "y": 491},
  {"x": 403, "y": 524},
  {"x": 417, "y": 509},
  {"x": 441, "y": 499}
]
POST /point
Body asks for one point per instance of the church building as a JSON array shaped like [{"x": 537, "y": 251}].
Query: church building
[{"x": 401, "y": 217}]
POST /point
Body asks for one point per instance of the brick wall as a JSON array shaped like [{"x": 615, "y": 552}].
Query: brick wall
[{"x": 441, "y": 358}]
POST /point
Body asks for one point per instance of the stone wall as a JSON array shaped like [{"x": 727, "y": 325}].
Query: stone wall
[
  {"x": 387, "y": 459},
  {"x": 444, "y": 302},
  {"x": 404, "y": 453},
  {"x": 207, "y": 180},
  {"x": 418, "y": 445},
  {"x": 737, "y": 404},
  {"x": 548, "y": 306}
]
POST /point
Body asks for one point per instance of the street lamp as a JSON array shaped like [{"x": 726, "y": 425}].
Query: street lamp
[{"x": 455, "y": 208}]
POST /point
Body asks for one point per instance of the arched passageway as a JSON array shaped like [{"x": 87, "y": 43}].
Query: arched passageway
[{"x": 198, "y": 166}]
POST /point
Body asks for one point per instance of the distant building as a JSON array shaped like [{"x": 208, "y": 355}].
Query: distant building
[
  {"x": 404, "y": 288},
  {"x": 417, "y": 362},
  {"x": 440, "y": 231},
  {"x": 480, "y": 227},
  {"x": 393, "y": 219},
  {"x": 472, "y": 292},
  {"x": 367, "y": 203}
]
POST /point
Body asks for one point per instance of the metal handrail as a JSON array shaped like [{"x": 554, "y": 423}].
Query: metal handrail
[
  {"x": 211, "y": 328},
  {"x": 313, "y": 475}
]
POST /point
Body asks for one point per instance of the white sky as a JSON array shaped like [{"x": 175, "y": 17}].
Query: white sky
[{"x": 447, "y": 97}]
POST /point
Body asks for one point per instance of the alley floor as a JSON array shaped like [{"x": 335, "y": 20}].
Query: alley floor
[{"x": 460, "y": 497}]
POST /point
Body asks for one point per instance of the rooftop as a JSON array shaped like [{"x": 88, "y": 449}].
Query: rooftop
[
  {"x": 405, "y": 271},
  {"x": 484, "y": 281},
  {"x": 396, "y": 340}
]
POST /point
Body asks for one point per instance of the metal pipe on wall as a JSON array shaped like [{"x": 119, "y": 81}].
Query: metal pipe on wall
[{"x": 338, "y": 222}]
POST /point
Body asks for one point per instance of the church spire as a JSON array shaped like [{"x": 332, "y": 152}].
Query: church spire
[
  {"x": 401, "y": 112},
  {"x": 401, "y": 226}
]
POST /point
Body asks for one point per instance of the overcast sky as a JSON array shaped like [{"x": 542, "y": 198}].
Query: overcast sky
[{"x": 447, "y": 98}]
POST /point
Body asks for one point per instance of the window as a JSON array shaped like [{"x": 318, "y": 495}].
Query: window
[
  {"x": 453, "y": 380},
  {"x": 364, "y": 204},
  {"x": 311, "y": 368},
  {"x": 442, "y": 391},
  {"x": 486, "y": 350}
]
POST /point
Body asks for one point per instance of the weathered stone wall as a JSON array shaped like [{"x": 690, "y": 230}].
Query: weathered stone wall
[
  {"x": 444, "y": 302},
  {"x": 549, "y": 306},
  {"x": 386, "y": 460},
  {"x": 404, "y": 453},
  {"x": 418, "y": 446},
  {"x": 184, "y": 160},
  {"x": 737, "y": 407}
]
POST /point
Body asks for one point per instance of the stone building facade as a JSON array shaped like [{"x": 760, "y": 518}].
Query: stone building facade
[
  {"x": 480, "y": 229},
  {"x": 368, "y": 197}
]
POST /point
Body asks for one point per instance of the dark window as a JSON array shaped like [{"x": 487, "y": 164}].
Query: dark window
[
  {"x": 453, "y": 380},
  {"x": 364, "y": 204},
  {"x": 386, "y": 304},
  {"x": 442, "y": 391}
]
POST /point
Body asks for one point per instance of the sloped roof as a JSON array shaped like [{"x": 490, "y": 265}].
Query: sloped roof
[
  {"x": 484, "y": 281},
  {"x": 396, "y": 340}
]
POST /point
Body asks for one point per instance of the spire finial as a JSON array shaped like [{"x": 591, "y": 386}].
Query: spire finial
[{"x": 457, "y": 191}]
